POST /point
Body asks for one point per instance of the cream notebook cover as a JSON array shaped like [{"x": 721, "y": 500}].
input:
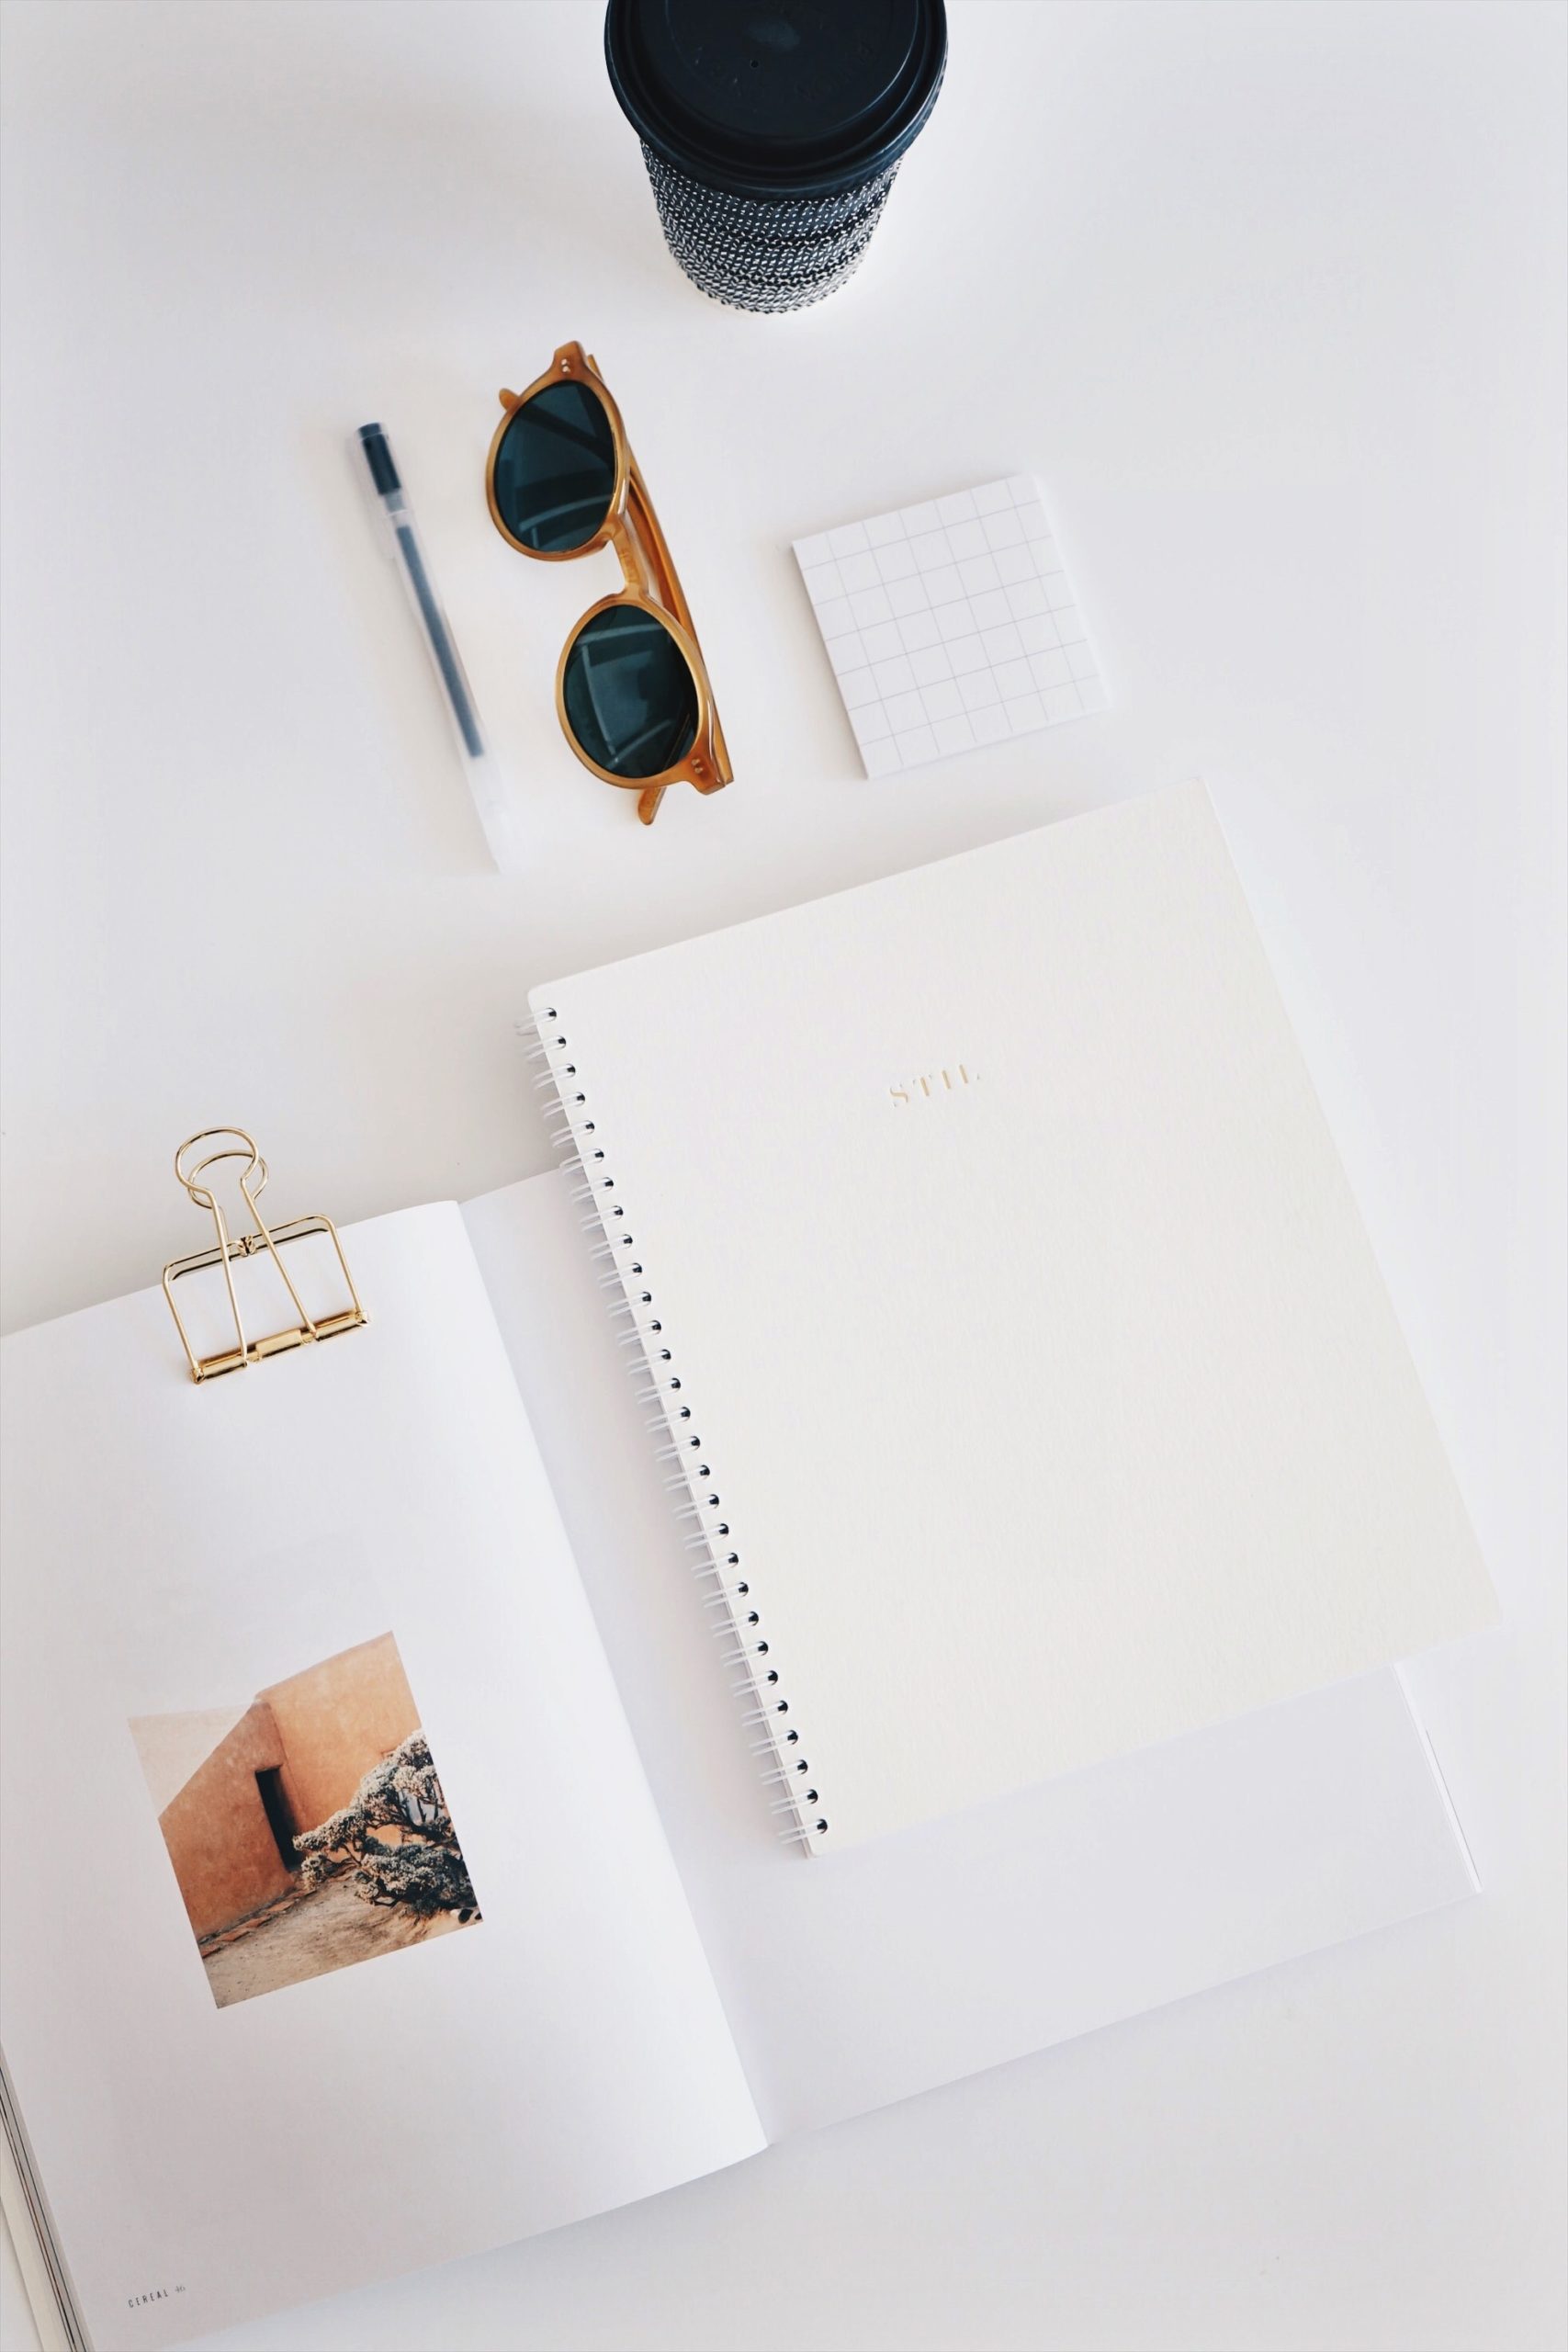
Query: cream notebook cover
[{"x": 1008, "y": 1313}]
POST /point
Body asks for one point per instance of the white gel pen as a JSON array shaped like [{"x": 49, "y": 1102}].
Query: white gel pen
[{"x": 484, "y": 780}]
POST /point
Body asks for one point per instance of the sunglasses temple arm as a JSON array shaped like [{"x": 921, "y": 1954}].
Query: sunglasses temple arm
[
  {"x": 645, "y": 565},
  {"x": 651, "y": 569},
  {"x": 660, "y": 579}
]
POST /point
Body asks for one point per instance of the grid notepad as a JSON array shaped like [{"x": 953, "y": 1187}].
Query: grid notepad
[{"x": 949, "y": 625}]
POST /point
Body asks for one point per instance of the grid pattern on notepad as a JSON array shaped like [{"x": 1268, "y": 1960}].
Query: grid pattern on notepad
[{"x": 949, "y": 625}]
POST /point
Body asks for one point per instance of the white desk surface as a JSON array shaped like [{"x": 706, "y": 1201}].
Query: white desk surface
[{"x": 1271, "y": 298}]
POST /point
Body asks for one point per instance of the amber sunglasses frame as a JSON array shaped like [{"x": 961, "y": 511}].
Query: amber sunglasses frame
[{"x": 652, "y": 586}]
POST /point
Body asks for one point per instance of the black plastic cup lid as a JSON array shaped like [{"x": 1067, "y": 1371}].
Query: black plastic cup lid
[{"x": 776, "y": 98}]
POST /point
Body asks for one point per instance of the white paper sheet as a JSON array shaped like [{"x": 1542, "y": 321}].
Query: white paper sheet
[
  {"x": 171, "y": 1548},
  {"x": 863, "y": 1976}
]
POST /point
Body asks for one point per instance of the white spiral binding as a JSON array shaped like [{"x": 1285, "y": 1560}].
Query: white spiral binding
[{"x": 671, "y": 1419}]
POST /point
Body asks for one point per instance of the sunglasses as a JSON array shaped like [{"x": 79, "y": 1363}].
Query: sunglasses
[{"x": 632, "y": 692}]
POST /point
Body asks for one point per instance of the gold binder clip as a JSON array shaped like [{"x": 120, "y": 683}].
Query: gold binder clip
[{"x": 233, "y": 1143}]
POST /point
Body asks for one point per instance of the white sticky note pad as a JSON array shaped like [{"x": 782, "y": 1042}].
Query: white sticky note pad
[{"x": 950, "y": 625}]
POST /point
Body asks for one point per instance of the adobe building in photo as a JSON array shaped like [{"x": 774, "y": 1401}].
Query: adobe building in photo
[{"x": 233, "y": 1786}]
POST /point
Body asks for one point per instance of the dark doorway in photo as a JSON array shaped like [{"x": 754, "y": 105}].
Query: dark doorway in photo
[{"x": 279, "y": 1813}]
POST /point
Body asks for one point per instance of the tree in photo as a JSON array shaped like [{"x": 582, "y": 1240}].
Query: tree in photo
[{"x": 421, "y": 1865}]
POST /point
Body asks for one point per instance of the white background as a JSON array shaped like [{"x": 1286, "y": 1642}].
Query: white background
[{"x": 1271, "y": 299}]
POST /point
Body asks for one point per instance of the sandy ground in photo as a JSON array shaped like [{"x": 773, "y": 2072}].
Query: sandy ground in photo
[{"x": 331, "y": 1929}]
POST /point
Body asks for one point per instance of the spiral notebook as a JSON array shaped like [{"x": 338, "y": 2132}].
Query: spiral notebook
[
  {"x": 1005, "y": 1304},
  {"x": 428, "y": 1577}
]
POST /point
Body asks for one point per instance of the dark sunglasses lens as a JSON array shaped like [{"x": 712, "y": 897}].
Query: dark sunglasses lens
[
  {"x": 554, "y": 470},
  {"x": 630, "y": 699}
]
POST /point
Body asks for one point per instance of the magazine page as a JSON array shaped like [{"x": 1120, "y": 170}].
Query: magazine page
[{"x": 343, "y": 1935}]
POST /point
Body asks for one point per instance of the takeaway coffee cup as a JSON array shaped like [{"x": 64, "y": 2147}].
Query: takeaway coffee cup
[{"x": 773, "y": 132}]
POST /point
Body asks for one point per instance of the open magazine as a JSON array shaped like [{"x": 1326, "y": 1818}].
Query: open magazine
[
  {"x": 591, "y": 1968},
  {"x": 434, "y": 1812}
]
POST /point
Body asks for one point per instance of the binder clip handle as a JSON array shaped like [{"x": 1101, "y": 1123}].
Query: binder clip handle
[{"x": 234, "y": 1144}]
